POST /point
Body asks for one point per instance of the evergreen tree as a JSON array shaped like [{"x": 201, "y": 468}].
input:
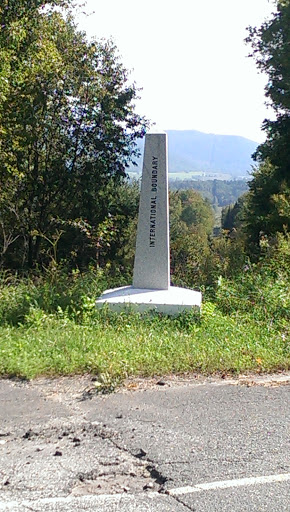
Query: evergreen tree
[
  {"x": 268, "y": 208},
  {"x": 232, "y": 215}
]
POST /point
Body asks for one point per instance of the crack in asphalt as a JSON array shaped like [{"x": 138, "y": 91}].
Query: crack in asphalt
[
  {"x": 179, "y": 500},
  {"x": 73, "y": 435},
  {"x": 155, "y": 474}
]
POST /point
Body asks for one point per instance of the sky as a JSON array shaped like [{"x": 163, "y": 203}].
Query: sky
[{"x": 190, "y": 59}]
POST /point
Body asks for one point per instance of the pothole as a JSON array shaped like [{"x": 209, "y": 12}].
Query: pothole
[
  {"x": 124, "y": 476},
  {"x": 77, "y": 460}
]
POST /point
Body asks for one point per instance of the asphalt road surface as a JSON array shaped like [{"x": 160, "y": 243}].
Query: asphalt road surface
[{"x": 171, "y": 445}]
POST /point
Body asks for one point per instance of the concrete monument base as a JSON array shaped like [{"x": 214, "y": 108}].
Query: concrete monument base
[
  {"x": 172, "y": 301},
  {"x": 151, "y": 288}
]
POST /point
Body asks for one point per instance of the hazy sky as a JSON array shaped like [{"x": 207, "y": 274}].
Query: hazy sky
[{"x": 190, "y": 59}]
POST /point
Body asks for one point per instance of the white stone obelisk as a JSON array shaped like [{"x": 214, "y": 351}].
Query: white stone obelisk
[
  {"x": 151, "y": 288},
  {"x": 152, "y": 260}
]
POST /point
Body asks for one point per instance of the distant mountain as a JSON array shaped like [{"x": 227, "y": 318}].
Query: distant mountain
[{"x": 190, "y": 151}]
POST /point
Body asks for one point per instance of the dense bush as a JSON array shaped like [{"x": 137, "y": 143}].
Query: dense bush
[
  {"x": 51, "y": 292},
  {"x": 263, "y": 288}
]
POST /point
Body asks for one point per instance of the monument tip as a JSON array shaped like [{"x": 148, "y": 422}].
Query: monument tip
[{"x": 154, "y": 130}]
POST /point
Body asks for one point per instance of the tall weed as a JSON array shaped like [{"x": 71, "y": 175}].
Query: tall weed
[
  {"x": 50, "y": 293},
  {"x": 262, "y": 289}
]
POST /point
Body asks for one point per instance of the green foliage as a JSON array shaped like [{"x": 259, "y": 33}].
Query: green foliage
[
  {"x": 81, "y": 338},
  {"x": 227, "y": 256},
  {"x": 197, "y": 257},
  {"x": 68, "y": 130},
  {"x": 267, "y": 204},
  {"x": 220, "y": 192},
  {"x": 190, "y": 255},
  {"x": 270, "y": 45},
  {"x": 56, "y": 290},
  {"x": 233, "y": 215},
  {"x": 191, "y": 222},
  {"x": 18, "y": 21},
  {"x": 269, "y": 199},
  {"x": 50, "y": 325},
  {"x": 189, "y": 212},
  {"x": 262, "y": 289}
]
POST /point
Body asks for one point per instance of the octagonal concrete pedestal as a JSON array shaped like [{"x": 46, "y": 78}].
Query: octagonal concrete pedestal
[{"x": 173, "y": 301}]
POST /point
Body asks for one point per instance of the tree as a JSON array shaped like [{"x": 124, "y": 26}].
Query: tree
[
  {"x": 191, "y": 223},
  {"x": 68, "y": 133},
  {"x": 232, "y": 215},
  {"x": 189, "y": 211},
  {"x": 17, "y": 21},
  {"x": 268, "y": 204}
]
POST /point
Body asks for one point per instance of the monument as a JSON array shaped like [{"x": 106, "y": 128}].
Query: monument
[{"x": 151, "y": 288}]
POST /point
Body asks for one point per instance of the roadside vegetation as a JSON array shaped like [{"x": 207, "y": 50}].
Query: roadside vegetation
[
  {"x": 68, "y": 218},
  {"x": 50, "y": 326}
]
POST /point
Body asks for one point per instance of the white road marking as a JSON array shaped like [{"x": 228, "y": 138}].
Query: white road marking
[
  {"x": 225, "y": 484},
  {"x": 104, "y": 498}
]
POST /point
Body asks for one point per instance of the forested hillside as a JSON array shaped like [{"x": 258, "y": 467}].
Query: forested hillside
[
  {"x": 193, "y": 154},
  {"x": 218, "y": 192}
]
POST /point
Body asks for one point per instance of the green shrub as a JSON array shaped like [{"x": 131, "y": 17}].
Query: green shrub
[
  {"x": 262, "y": 289},
  {"x": 51, "y": 292}
]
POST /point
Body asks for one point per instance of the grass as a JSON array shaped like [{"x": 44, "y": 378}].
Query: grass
[
  {"x": 53, "y": 328},
  {"x": 118, "y": 346}
]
